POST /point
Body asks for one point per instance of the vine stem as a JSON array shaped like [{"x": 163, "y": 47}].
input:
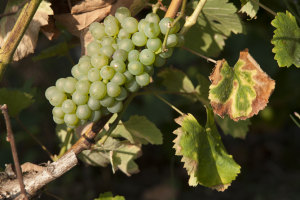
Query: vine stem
[
  {"x": 200, "y": 55},
  {"x": 168, "y": 103},
  {"x": 191, "y": 20},
  {"x": 267, "y": 9},
  {"x": 11, "y": 43},
  {"x": 173, "y": 8}
]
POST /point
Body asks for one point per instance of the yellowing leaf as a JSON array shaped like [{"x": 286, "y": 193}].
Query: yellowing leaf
[
  {"x": 286, "y": 40},
  {"x": 203, "y": 153},
  {"x": 242, "y": 91}
]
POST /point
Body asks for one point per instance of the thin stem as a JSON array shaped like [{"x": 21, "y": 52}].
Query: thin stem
[
  {"x": 200, "y": 55},
  {"x": 11, "y": 140},
  {"x": 64, "y": 148},
  {"x": 169, "y": 104},
  {"x": 267, "y": 9},
  {"x": 191, "y": 20},
  {"x": 11, "y": 43}
]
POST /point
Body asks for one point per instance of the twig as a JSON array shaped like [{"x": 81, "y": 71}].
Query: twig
[
  {"x": 11, "y": 140},
  {"x": 200, "y": 55},
  {"x": 169, "y": 104},
  {"x": 173, "y": 8},
  {"x": 267, "y": 9},
  {"x": 11, "y": 43}
]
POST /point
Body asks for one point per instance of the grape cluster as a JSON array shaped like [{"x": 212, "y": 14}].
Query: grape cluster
[{"x": 119, "y": 60}]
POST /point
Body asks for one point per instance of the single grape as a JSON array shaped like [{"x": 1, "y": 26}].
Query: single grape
[
  {"x": 107, "y": 41},
  {"x": 112, "y": 29},
  {"x": 133, "y": 55},
  {"x": 83, "y": 112},
  {"x": 94, "y": 75},
  {"x": 84, "y": 67},
  {"x": 97, "y": 30},
  {"x": 147, "y": 57},
  {"x": 135, "y": 68},
  {"x": 149, "y": 69},
  {"x": 84, "y": 58},
  {"x": 152, "y": 17},
  {"x": 107, "y": 101},
  {"x": 79, "y": 98},
  {"x": 58, "y": 112},
  {"x": 95, "y": 116},
  {"x": 110, "y": 20},
  {"x": 139, "y": 39},
  {"x": 94, "y": 104},
  {"x": 107, "y": 51},
  {"x": 132, "y": 86},
  {"x": 165, "y": 23},
  {"x": 69, "y": 85},
  {"x": 152, "y": 30},
  {"x": 123, "y": 34},
  {"x": 116, "y": 107},
  {"x": 129, "y": 76},
  {"x": 118, "y": 78},
  {"x": 113, "y": 89},
  {"x": 98, "y": 90},
  {"x": 120, "y": 54},
  {"x": 71, "y": 119},
  {"x": 141, "y": 25},
  {"x": 180, "y": 40},
  {"x": 130, "y": 24},
  {"x": 93, "y": 48},
  {"x": 51, "y": 91},
  {"x": 154, "y": 44},
  {"x": 84, "y": 77},
  {"x": 58, "y": 120},
  {"x": 98, "y": 60},
  {"x": 126, "y": 44},
  {"x": 107, "y": 72},
  {"x": 159, "y": 61},
  {"x": 123, "y": 95},
  {"x": 60, "y": 84},
  {"x": 143, "y": 79},
  {"x": 83, "y": 86},
  {"x": 57, "y": 98},
  {"x": 75, "y": 72},
  {"x": 118, "y": 65},
  {"x": 172, "y": 40},
  {"x": 166, "y": 54},
  {"x": 68, "y": 106},
  {"x": 122, "y": 13}
]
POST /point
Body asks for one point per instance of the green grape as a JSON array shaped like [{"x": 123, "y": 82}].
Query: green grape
[
  {"x": 113, "y": 89},
  {"x": 75, "y": 72},
  {"x": 71, "y": 119},
  {"x": 58, "y": 112},
  {"x": 95, "y": 116},
  {"x": 68, "y": 106},
  {"x": 83, "y": 112},
  {"x": 123, "y": 34},
  {"x": 180, "y": 40},
  {"x": 84, "y": 67},
  {"x": 152, "y": 30},
  {"x": 107, "y": 72},
  {"x": 116, "y": 107},
  {"x": 51, "y": 91},
  {"x": 97, "y": 30},
  {"x": 126, "y": 44},
  {"x": 79, "y": 98},
  {"x": 120, "y": 54},
  {"x": 139, "y": 39},
  {"x": 149, "y": 69},
  {"x": 98, "y": 60},
  {"x": 141, "y": 25},
  {"x": 83, "y": 77},
  {"x": 98, "y": 90},
  {"x": 123, "y": 95},
  {"x": 93, "y": 47},
  {"x": 130, "y": 24},
  {"x": 135, "y": 68},
  {"x": 133, "y": 55},
  {"x": 147, "y": 57},
  {"x": 107, "y": 41},
  {"x": 143, "y": 79},
  {"x": 84, "y": 58},
  {"x": 107, "y": 101},
  {"x": 112, "y": 29},
  {"x": 107, "y": 51},
  {"x": 166, "y": 54},
  {"x": 118, "y": 65},
  {"x": 94, "y": 75},
  {"x": 94, "y": 104},
  {"x": 165, "y": 23},
  {"x": 122, "y": 13},
  {"x": 69, "y": 85},
  {"x": 118, "y": 78},
  {"x": 152, "y": 17},
  {"x": 154, "y": 44},
  {"x": 159, "y": 61},
  {"x": 60, "y": 84},
  {"x": 129, "y": 76},
  {"x": 58, "y": 120},
  {"x": 132, "y": 86},
  {"x": 172, "y": 40},
  {"x": 110, "y": 20},
  {"x": 83, "y": 86}
]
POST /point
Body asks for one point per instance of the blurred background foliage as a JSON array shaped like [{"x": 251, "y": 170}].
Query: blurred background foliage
[{"x": 269, "y": 155}]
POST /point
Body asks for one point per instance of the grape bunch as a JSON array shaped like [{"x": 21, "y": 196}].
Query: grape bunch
[{"x": 119, "y": 60}]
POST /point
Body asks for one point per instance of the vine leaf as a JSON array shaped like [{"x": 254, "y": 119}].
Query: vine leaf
[
  {"x": 215, "y": 24},
  {"x": 29, "y": 40},
  {"x": 16, "y": 100},
  {"x": 203, "y": 153},
  {"x": 109, "y": 196},
  {"x": 235, "y": 129},
  {"x": 250, "y": 7},
  {"x": 286, "y": 40},
  {"x": 242, "y": 91}
]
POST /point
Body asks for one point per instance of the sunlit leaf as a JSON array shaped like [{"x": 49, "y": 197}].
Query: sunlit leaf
[
  {"x": 241, "y": 91},
  {"x": 250, "y": 7},
  {"x": 203, "y": 153},
  {"x": 286, "y": 40},
  {"x": 109, "y": 196}
]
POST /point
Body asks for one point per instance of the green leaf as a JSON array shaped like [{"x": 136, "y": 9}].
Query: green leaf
[
  {"x": 109, "y": 196},
  {"x": 250, "y": 7},
  {"x": 286, "y": 40},
  {"x": 16, "y": 100},
  {"x": 215, "y": 24},
  {"x": 241, "y": 91},
  {"x": 235, "y": 129},
  {"x": 138, "y": 129},
  {"x": 203, "y": 153}
]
